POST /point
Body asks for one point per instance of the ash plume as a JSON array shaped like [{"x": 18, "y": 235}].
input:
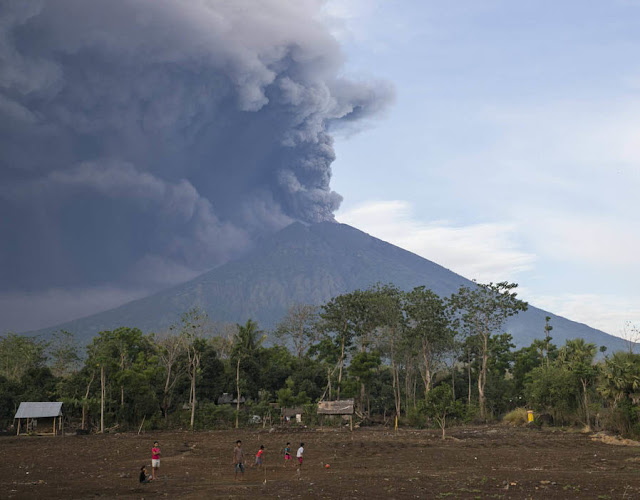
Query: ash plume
[{"x": 144, "y": 142}]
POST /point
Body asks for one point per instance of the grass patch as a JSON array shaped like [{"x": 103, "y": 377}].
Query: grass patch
[
  {"x": 614, "y": 440},
  {"x": 516, "y": 417}
]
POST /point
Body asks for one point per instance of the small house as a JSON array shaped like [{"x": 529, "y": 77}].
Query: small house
[
  {"x": 292, "y": 413},
  {"x": 40, "y": 417}
]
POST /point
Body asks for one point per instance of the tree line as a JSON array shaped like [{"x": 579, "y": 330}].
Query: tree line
[{"x": 414, "y": 355}]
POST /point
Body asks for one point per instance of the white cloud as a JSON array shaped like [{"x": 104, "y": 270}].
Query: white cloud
[
  {"x": 486, "y": 252},
  {"x": 602, "y": 241},
  {"x": 609, "y": 313}
]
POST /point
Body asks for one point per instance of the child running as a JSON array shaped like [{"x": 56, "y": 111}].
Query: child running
[
  {"x": 238, "y": 459},
  {"x": 300, "y": 454},
  {"x": 259, "y": 457},
  {"x": 155, "y": 460},
  {"x": 287, "y": 454}
]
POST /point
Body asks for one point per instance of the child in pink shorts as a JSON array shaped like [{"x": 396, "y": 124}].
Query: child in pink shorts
[{"x": 287, "y": 454}]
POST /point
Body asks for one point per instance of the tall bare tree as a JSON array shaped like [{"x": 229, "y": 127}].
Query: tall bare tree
[
  {"x": 194, "y": 327},
  {"x": 299, "y": 328},
  {"x": 170, "y": 348}
]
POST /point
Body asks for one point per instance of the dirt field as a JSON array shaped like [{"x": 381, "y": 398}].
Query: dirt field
[{"x": 477, "y": 462}]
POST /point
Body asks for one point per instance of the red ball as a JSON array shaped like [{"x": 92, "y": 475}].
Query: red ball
[{"x": 326, "y": 466}]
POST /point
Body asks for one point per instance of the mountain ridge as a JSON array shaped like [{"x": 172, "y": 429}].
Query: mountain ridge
[{"x": 308, "y": 263}]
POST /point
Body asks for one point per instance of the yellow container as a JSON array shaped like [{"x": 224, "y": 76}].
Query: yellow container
[{"x": 529, "y": 415}]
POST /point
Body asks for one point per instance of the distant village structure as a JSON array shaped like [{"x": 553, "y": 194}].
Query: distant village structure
[
  {"x": 228, "y": 399},
  {"x": 289, "y": 414}
]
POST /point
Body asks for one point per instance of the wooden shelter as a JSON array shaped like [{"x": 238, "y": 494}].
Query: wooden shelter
[
  {"x": 289, "y": 413},
  {"x": 342, "y": 407},
  {"x": 38, "y": 415}
]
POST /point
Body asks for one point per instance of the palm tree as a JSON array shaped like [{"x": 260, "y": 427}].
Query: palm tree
[{"x": 621, "y": 376}]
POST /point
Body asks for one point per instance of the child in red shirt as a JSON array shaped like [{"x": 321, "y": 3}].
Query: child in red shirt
[{"x": 259, "y": 456}]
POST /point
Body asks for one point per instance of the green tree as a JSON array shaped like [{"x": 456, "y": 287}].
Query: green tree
[
  {"x": 440, "y": 405},
  {"x": 547, "y": 345},
  {"x": 123, "y": 357},
  {"x": 553, "y": 391},
  {"x": 621, "y": 377},
  {"x": 246, "y": 343},
  {"x": 392, "y": 338},
  {"x": 500, "y": 386},
  {"x": 8, "y": 403},
  {"x": 19, "y": 353},
  {"x": 482, "y": 310},
  {"x": 577, "y": 356},
  {"x": 620, "y": 386},
  {"x": 100, "y": 353},
  {"x": 429, "y": 329},
  {"x": 364, "y": 367},
  {"x": 339, "y": 327},
  {"x": 524, "y": 361}
]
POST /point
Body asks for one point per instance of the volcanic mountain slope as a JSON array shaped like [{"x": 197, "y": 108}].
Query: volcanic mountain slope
[{"x": 309, "y": 264}]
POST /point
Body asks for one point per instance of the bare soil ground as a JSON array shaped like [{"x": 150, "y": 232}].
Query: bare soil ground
[{"x": 476, "y": 462}]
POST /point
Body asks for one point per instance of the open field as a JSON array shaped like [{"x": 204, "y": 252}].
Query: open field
[{"x": 478, "y": 462}]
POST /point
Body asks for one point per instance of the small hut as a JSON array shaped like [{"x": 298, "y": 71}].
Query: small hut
[
  {"x": 40, "y": 417},
  {"x": 289, "y": 413},
  {"x": 342, "y": 407}
]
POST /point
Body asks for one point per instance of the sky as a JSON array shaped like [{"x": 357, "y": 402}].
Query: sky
[
  {"x": 144, "y": 143},
  {"x": 512, "y": 151}
]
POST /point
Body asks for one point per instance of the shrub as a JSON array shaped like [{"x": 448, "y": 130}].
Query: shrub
[
  {"x": 516, "y": 417},
  {"x": 471, "y": 414},
  {"x": 416, "y": 417},
  {"x": 211, "y": 416}
]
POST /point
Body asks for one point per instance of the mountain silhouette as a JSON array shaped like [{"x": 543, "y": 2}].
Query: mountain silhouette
[{"x": 309, "y": 264}]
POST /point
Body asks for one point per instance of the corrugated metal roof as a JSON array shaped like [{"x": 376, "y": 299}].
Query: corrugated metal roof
[{"x": 39, "y": 410}]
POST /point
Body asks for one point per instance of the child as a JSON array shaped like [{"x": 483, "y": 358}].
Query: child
[
  {"x": 300, "y": 454},
  {"x": 144, "y": 478},
  {"x": 287, "y": 454},
  {"x": 155, "y": 460},
  {"x": 259, "y": 456},
  {"x": 238, "y": 459}
]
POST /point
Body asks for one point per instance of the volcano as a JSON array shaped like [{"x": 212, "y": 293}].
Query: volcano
[{"x": 309, "y": 264}]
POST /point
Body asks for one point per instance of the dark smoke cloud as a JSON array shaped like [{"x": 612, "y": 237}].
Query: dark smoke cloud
[{"x": 143, "y": 141}]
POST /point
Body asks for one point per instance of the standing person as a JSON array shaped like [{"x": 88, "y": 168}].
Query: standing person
[
  {"x": 155, "y": 460},
  {"x": 287, "y": 454},
  {"x": 238, "y": 459},
  {"x": 259, "y": 456},
  {"x": 300, "y": 454}
]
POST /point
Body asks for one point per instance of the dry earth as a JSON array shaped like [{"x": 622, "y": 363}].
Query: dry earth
[{"x": 477, "y": 462}]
